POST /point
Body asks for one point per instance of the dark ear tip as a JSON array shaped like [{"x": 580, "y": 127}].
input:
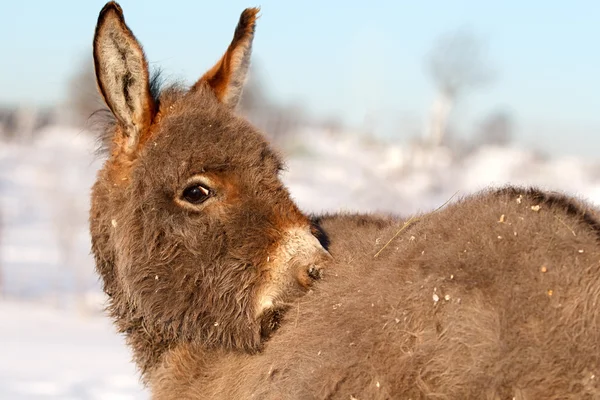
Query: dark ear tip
[
  {"x": 247, "y": 23},
  {"x": 249, "y": 16},
  {"x": 111, "y": 6}
]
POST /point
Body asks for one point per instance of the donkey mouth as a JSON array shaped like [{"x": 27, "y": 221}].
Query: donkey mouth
[
  {"x": 271, "y": 320},
  {"x": 293, "y": 268},
  {"x": 272, "y": 316}
]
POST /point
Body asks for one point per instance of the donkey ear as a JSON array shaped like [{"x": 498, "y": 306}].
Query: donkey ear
[
  {"x": 228, "y": 76},
  {"x": 122, "y": 74}
]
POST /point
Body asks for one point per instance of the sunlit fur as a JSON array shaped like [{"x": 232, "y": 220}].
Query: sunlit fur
[
  {"x": 218, "y": 273},
  {"x": 228, "y": 76},
  {"x": 459, "y": 306},
  {"x": 493, "y": 297}
]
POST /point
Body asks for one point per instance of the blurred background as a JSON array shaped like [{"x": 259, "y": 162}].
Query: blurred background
[{"x": 379, "y": 106}]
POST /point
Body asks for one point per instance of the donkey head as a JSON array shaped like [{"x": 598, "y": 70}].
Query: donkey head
[{"x": 193, "y": 232}]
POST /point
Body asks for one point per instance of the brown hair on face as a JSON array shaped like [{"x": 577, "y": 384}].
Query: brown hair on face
[
  {"x": 194, "y": 235},
  {"x": 200, "y": 249},
  {"x": 458, "y": 306}
]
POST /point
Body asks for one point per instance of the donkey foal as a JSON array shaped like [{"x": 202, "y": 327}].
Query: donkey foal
[
  {"x": 193, "y": 233},
  {"x": 213, "y": 273}
]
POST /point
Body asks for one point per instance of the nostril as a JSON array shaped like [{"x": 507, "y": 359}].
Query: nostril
[
  {"x": 320, "y": 260},
  {"x": 315, "y": 272}
]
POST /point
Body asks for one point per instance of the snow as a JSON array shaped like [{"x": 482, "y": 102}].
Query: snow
[
  {"x": 54, "y": 341},
  {"x": 349, "y": 173},
  {"x": 49, "y": 353}
]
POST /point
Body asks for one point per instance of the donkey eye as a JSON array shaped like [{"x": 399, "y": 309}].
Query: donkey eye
[{"x": 196, "y": 194}]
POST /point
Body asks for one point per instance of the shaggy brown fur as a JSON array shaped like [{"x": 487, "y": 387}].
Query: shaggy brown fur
[
  {"x": 217, "y": 272},
  {"x": 493, "y": 297},
  {"x": 460, "y": 306},
  {"x": 224, "y": 77}
]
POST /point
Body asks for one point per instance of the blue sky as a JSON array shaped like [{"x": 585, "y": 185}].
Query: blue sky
[{"x": 345, "y": 58}]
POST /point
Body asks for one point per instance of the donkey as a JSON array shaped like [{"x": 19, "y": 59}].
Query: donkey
[{"x": 224, "y": 289}]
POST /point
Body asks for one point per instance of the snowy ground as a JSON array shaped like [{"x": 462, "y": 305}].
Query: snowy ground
[
  {"x": 351, "y": 174},
  {"x": 55, "y": 344},
  {"x": 54, "y": 354}
]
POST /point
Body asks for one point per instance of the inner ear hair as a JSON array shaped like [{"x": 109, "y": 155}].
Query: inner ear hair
[
  {"x": 122, "y": 73},
  {"x": 227, "y": 77}
]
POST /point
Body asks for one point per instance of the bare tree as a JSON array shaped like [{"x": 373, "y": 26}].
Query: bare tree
[
  {"x": 278, "y": 121},
  {"x": 2, "y": 282},
  {"x": 254, "y": 98},
  {"x": 84, "y": 98},
  {"x": 456, "y": 64},
  {"x": 496, "y": 130}
]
